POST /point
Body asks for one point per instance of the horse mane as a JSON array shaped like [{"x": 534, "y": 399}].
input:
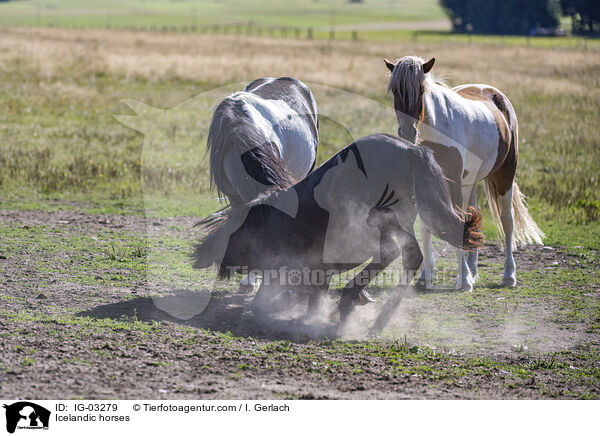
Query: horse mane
[
  {"x": 407, "y": 78},
  {"x": 405, "y": 82},
  {"x": 231, "y": 128}
]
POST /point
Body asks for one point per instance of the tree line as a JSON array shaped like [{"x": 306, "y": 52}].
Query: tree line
[{"x": 522, "y": 17}]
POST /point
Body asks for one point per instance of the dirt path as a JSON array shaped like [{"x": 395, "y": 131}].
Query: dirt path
[{"x": 67, "y": 331}]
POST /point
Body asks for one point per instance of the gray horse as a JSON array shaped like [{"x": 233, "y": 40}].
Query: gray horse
[{"x": 358, "y": 206}]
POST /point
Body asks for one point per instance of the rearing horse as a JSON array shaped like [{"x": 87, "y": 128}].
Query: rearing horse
[{"x": 474, "y": 136}]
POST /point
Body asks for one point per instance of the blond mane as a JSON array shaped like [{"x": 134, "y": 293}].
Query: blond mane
[{"x": 405, "y": 82}]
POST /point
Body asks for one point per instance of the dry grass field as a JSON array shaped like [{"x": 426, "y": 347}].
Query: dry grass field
[
  {"x": 76, "y": 246},
  {"x": 54, "y": 76}
]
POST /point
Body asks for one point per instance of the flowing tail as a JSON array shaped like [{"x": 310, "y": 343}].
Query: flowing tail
[
  {"x": 211, "y": 248},
  {"x": 434, "y": 205},
  {"x": 526, "y": 231},
  {"x": 232, "y": 132}
]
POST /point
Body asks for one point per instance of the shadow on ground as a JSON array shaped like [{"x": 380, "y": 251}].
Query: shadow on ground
[
  {"x": 224, "y": 313},
  {"x": 228, "y": 312}
]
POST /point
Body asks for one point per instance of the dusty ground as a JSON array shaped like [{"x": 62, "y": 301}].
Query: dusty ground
[{"x": 69, "y": 329}]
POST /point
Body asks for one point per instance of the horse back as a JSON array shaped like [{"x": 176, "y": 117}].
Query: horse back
[
  {"x": 293, "y": 92},
  {"x": 505, "y": 119}
]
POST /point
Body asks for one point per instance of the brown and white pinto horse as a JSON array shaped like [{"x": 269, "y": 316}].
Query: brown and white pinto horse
[{"x": 473, "y": 132}]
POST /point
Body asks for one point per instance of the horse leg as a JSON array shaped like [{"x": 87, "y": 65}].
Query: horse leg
[
  {"x": 249, "y": 284},
  {"x": 428, "y": 273},
  {"x": 465, "y": 279},
  {"x": 411, "y": 261},
  {"x": 261, "y": 304},
  {"x": 351, "y": 292},
  {"x": 389, "y": 251},
  {"x": 412, "y": 258},
  {"x": 507, "y": 219},
  {"x": 474, "y": 254}
]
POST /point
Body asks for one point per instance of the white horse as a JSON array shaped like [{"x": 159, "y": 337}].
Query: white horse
[
  {"x": 474, "y": 136},
  {"x": 263, "y": 137}
]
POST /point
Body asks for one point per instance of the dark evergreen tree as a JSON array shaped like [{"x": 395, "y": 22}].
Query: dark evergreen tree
[
  {"x": 519, "y": 17},
  {"x": 585, "y": 15}
]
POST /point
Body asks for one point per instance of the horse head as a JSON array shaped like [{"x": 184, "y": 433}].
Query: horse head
[{"x": 407, "y": 85}]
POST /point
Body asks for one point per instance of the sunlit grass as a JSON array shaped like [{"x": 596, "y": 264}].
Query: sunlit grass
[{"x": 61, "y": 88}]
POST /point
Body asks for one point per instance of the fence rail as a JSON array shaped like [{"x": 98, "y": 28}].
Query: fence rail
[
  {"x": 225, "y": 29},
  {"x": 287, "y": 32}
]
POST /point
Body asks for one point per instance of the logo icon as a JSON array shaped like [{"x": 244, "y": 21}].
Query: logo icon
[{"x": 26, "y": 415}]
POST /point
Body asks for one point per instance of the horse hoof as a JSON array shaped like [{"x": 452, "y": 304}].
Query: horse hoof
[
  {"x": 509, "y": 282},
  {"x": 423, "y": 284},
  {"x": 365, "y": 298},
  {"x": 464, "y": 285}
]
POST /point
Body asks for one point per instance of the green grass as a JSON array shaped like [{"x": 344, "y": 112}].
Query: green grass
[
  {"x": 66, "y": 146},
  {"x": 294, "y": 13},
  {"x": 266, "y": 18},
  {"x": 429, "y": 36}
]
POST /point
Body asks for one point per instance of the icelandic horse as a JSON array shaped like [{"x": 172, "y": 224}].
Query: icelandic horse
[
  {"x": 264, "y": 137},
  {"x": 473, "y": 132},
  {"x": 360, "y": 206}
]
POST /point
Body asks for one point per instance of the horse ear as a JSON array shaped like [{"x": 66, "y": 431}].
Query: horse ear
[
  {"x": 427, "y": 66},
  {"x": 389, "y": 64}
]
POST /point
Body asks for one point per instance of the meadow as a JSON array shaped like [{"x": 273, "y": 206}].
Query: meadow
[
  {"x": 158, "y": 13},
  {"x": 90, "y": 206}
]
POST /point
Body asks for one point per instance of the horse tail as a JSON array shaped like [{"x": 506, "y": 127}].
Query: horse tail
[
  {"x": 211, "y": 248},
  {"x": 215, "y": 148},
  {"x": 228, "y": 234},
  {"x": 526, "y": 231},
  {"x": 434, "y": 205},
  {"x": 232, "y": 131}
]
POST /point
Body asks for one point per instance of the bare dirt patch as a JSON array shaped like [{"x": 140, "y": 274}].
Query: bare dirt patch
[{"x": 62, "y": 338}]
